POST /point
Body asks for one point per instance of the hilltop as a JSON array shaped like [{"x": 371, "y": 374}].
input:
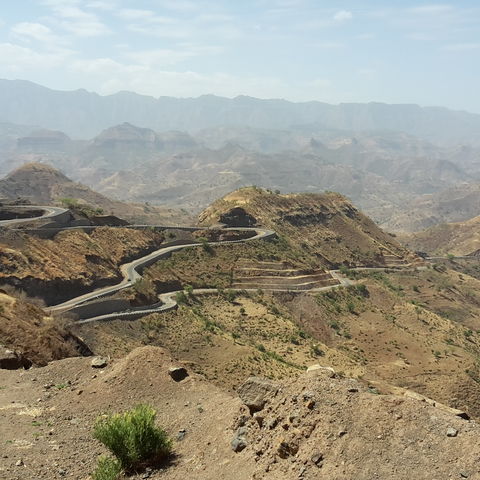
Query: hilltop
[
  {"x": 42, "y": 184},
  {"x": 325, "y": 226}
]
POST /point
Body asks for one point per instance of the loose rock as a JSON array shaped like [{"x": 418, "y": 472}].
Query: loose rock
[
  {"x": 178, "y": 373},
  {"x": 99, "y": 362},
  {"x": 239, "y": 441},
  {"x": 255, "y": 392},
  {"x": 452, "y": 432}
]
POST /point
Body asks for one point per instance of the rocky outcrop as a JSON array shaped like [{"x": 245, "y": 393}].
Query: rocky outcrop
[
  {"x": 11, "y": 360},
  {"x": 256, "y": 391},
  {"x": 237, "y": 217}
]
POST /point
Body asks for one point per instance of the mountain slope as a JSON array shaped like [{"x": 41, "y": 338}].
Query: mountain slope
[
  {"x": 454, "y": 204},
  {"x": 82, "y": 114},
  {"x": 459, "y": 238},
  {"x": 325, "y": 226},
  {"x": 44, "y": 185}
]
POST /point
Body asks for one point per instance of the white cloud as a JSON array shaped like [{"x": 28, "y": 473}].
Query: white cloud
[
  {"x": 343, "y": 16},
  {"x": 73, "y": 19},
  {"x": 112, "y": 76},
  {"x": 147, "y": 16},
  {"x": 37, "y": 32},
  {"x": 106, "y": 5},
  {"x": 18, "y": 59},
  {"x": 166, "y": 57}
]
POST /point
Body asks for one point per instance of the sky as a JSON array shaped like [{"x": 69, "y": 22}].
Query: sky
[{"x": 328, "y": 50}]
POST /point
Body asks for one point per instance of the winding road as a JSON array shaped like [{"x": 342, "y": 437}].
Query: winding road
[
  {"x": 49, "y": 213},
  {"x": 130, "y": 271}
]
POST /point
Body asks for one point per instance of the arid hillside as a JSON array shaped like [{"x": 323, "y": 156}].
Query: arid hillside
[
  {"x": 73, "y": 262},
  {"x": 33, "y": 337},
  {"x": 455, "y": 204},
  {"x": 316, "y": 424},
  {"x": 325, "y": 227},
  {"x": 459, "y": 238},
  {"x": 41, "y": 184}
]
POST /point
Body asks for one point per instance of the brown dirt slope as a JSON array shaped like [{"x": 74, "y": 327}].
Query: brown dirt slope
[
  {"x": 315, "y": 425},
  {"x": 73, "y": 262},
  {"x": 26, "y": 329},
  {"x": 460, "y": 238},
  {"x": 323, "y": 226},
  {"x": 44, "y": 185}
]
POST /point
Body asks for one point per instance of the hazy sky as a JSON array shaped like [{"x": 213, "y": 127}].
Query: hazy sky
[{"x": 333, "y": 51}]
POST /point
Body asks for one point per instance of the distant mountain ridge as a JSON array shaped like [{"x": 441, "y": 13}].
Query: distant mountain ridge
[{"x": 82, "y": 114}]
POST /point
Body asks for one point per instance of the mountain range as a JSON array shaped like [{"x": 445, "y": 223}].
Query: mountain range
[{"x": 83, "y": 114}]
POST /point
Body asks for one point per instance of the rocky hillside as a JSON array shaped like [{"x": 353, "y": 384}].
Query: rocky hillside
[
  {"x": 317, "y": 424},
  {"x": 455, "y": 204},
  {"x": 73, "y": 262},
  {"x": 326, "y": 227},
  {"x": 459, "y": 238},
  {"x": 32, "y": 337},
  {"x": 41, "y": 184}
]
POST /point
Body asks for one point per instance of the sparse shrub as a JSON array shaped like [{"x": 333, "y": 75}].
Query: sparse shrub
[
  {"x": 181, "y": 298},
  {"x": 242, "y": 311},
  {"x": 206, "y": 246},
  {"x": 335, "y": 325},
  {"x": 107, "y": 469},
  {"x": 133, "y": 438},
  {"x": 351, "y": 307},
  {"x": 416, "y": 289},
  {"x": 274, "y": 310},
  {"x": 316, "y": 351},
  {"x": 362, "y": 290},
  {"x": 230, "y": 295},
  {"x": 189, "y": 290}
]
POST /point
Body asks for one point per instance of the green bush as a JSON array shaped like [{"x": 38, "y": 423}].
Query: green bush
[
  {"x": 181, "y": 298},
  {"x": 133, "y": 437},
  {"x": 107, "y": 469}
]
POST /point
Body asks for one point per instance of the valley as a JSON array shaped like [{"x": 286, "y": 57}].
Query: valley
[{"x": 283, "y": 335}]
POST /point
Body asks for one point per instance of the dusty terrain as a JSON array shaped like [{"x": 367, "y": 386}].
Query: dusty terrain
[
  {"x": 73, "y": 262},
  {"x": 315, "y": 425},
  {"x": 459, "y": 238},
  {"x": 35, "y": 336},
  {"x": 42, "y": 184},
  {"x": 325, "y": 227},
  {"x": 390, "y": 333}
]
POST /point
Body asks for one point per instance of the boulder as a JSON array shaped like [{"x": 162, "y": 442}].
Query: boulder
[
  {"x": 99, "y": 362},
  {"x": 319, "y": 370},
  {"x": 10, "y": 360},
  {"x": 239, "y": 441},
  {"x": 255, "y": 392},
  {"x": 178, "y": 373}
]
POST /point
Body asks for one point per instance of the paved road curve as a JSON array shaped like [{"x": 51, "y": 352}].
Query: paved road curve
[
  {"x": 49, "y": 213},
  {"x": 131, "y": 275}
]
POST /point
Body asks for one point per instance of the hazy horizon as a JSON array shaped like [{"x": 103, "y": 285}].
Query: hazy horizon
[{"x": 415, "y": 53}]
